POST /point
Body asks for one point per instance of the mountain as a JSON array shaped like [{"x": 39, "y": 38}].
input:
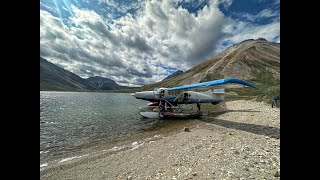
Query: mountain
[
  {"x": 55, "y": 78},
  {"x": 177, "y": 73},
  {"x": 257, "y": 61},
  {"x": 103, "y": 83}
]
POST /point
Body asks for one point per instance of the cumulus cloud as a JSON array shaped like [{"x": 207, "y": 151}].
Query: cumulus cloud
[
  {"x": 243, "y": 30},
  {"x": 236, "y": 31},
  {"x": 159, "y": 33},
  {"x": 134, "y": 48},
  {"x": 179, "y": 37}
]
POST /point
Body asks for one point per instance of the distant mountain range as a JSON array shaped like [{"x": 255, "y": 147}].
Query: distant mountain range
[
  {"x": 103, "y": 83},
  {"x": 54, "y": 78}
]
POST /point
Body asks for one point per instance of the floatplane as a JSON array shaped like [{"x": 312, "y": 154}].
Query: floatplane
[{"x": 166, "y": 102}]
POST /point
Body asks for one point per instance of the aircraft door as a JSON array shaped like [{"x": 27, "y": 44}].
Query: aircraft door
[
  {"x": 185, "y": 97},
  {"x": 156, "y": 94},
  {"x": 162, "y": 93}
]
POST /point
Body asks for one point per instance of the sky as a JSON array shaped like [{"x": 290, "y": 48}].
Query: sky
[{"x": 140, "y": 42}]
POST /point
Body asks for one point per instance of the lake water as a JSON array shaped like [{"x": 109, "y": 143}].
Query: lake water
[
  {"x": 74, "y": 125},
  {"x": 74, "y": 122}
]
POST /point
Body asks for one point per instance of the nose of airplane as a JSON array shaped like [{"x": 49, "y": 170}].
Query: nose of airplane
[
  {"x": 139, "y": 95},
  {"x": 133, "y": 94},
  {"x": 144, "y": 94}
]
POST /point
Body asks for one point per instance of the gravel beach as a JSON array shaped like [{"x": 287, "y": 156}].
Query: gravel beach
[{"x": 241, "y": 142}]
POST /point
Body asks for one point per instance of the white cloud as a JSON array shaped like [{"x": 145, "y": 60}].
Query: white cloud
[
  {"x": 237, "y": 31},
  {"x": 226, "y": 3},
  {"x": 265, "y": 13},
  {"x": 50, "y": 8},
  {"x": 246, "y": 31},
  {"x": 121, "y": 7}
]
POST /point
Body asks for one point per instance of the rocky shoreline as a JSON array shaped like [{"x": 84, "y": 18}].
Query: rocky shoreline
[{"x": 242, "y": 142}]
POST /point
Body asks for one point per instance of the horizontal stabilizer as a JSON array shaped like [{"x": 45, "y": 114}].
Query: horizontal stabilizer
[{"x": 218, "y": 91}]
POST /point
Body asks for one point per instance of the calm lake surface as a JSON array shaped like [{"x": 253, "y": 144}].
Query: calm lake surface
[{"x": 73, "y": 123}]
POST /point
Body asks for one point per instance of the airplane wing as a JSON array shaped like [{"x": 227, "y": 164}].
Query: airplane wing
[{"x": 214, "y": 83}]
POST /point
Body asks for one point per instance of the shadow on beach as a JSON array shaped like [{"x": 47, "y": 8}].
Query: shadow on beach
[
  {"x": 269, "y": 131},
  {"x": 244, "y": 110},
  {"x": 213, "y": 114}
]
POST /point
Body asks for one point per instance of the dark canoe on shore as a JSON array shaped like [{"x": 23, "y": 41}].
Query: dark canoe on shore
[{"x": 180, "y": 115}]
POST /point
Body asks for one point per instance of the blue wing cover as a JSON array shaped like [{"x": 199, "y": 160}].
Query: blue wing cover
[{"x": 214, "y": 83}]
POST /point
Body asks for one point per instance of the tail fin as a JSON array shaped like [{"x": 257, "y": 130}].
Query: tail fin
[{"x": 218, "y": 93}]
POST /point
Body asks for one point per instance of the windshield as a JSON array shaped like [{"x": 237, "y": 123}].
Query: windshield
[{"x": 155, "y": 91}]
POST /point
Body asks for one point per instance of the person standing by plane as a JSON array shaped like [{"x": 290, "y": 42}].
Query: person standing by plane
[{"x": 274, "y": 101}]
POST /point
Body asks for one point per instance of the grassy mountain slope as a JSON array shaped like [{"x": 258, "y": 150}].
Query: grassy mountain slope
[{"x": 257, "y": 61}]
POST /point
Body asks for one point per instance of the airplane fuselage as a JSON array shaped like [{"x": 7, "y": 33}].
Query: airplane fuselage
[{"x": 180, "y": 97}]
